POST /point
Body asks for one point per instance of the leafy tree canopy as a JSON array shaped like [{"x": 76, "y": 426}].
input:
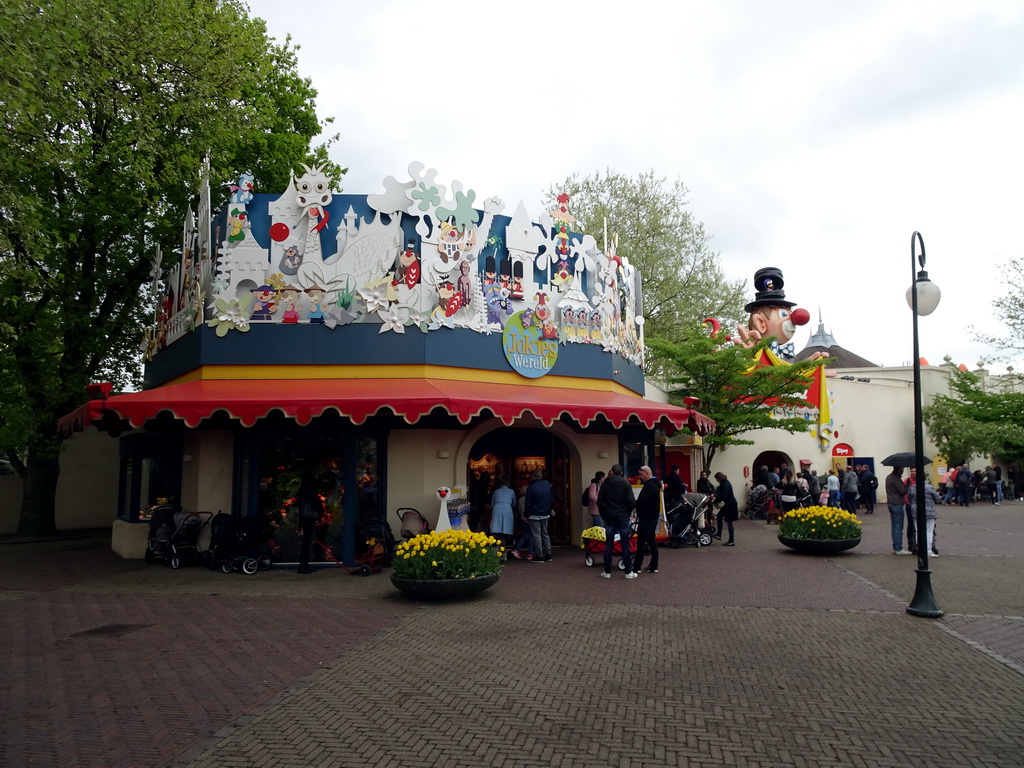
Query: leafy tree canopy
[
  {"x": 979, "y": 417},
  {"x": 738, "y": 395},
  {"x": 683, "y": 282},
  {"x": 108, "y": 108}
]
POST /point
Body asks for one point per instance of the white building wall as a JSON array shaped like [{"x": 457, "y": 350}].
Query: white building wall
[{"x": 873, "y": 413}]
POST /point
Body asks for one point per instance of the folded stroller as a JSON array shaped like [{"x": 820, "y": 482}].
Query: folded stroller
[
  {"x": 173, "y": 536},
  {"x": 687, "y": 521}
]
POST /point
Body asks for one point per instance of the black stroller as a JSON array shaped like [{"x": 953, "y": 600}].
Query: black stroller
[
  {"x": 244, "y": 544},
  {"x": 762, "y": 503},
  {"x": 173, "y": 537},
  {"x": 687, "y": 521}
]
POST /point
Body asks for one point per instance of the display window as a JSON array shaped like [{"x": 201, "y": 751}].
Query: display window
[
  {"x": 150, "y": 475},
  {"x": 347, "y": 472}
]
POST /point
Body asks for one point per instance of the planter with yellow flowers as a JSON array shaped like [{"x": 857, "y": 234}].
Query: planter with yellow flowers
[
  {"x": 819, "y": 530},
  {"x": 447, "y": 564}
]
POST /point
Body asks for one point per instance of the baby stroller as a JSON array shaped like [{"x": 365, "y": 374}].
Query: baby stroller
[
  {"x": 244, "y": 544},
  {"x": 413, "y": 523},
  {"x": 173, "y": 536},
  {"x": 687, "y": 521},
  {"x": 380, "y": 532},
  {"x": 760, "y": 503},
  {"x": 372, "y": 560}
]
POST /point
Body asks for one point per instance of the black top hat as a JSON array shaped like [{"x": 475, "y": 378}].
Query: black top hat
[{"x": 768, "y": 284}]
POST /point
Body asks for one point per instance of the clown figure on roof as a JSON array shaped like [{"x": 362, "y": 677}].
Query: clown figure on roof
[{"x": 771, "y": 316}]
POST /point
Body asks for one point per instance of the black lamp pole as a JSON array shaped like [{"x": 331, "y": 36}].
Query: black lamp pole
[{"x": 923, "y": 604}]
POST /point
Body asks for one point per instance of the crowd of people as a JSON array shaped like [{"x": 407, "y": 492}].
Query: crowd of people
[
  {"x": 850, "y": 488},
  {"x": 612, "y": 505}
]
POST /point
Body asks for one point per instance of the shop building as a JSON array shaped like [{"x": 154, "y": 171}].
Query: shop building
[{"x": 390, "y": 343}]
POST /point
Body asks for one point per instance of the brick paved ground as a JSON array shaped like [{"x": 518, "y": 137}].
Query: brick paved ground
[{"x": 750, "y": 656}]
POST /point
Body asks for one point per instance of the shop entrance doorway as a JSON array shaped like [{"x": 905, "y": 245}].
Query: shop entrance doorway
[{"x": 518, "y": 452}]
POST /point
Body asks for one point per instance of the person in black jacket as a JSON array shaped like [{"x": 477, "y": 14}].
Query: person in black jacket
[
  {"x": 674, "y": 488},
  {"x": 730, "y": 510},
  {"x": 648, "y": 513},
  {"x": 311, "y": 509},
  {"x": 616, "y": 502}
]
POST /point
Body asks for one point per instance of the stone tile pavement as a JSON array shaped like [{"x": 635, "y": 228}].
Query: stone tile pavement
[{"x": 745, "y": 656}]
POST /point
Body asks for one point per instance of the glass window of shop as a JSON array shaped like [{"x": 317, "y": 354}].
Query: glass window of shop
[
  {"x": 150, "y": 474},
  {"x": 273, "y": 467},
  {"x": 636, "y": 450}
]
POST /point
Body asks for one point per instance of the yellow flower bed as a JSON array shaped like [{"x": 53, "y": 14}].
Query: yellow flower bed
[
  {"x": 596, "y": 533},
  {"x": 452, "y": 554},
  {"x": 819, "y": 523}
]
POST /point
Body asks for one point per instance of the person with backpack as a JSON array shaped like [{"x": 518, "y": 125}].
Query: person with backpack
[
  {"x": 964, "y": 486},
  {"x": 589, "y": 499}
]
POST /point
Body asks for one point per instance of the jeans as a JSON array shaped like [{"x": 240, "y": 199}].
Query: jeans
[
  {"x": 596, "y": 520},
  {"x": 833, "y": 498},
  {"x": 620, "y": 527},
  {"x": 896, "y": 514},
  {"x": 999, "y": 491},
  {"x": 526, "y": 540},
  {"x": 911, "y": 527},
  {"x": 645, "y": 531},
  {"x": 964, "y": 493},
  {"x": 541, "y": 540}
]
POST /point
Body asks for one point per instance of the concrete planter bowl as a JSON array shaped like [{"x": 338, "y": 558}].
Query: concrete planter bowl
[
  {"x": 444, "y": 589},
  {"x": 819, "y": 546}
]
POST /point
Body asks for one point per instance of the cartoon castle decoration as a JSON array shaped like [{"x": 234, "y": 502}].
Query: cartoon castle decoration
[{"x": 417, "y": 255}]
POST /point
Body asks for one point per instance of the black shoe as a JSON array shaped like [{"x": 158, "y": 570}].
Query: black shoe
[
  {"x": 729, "y": 544},
  {"x": 718, "y": 536},
  {"x": 547, "y": 557},
  {"x": 306, "y": 570},
  {"x": 651, "y": 570}
]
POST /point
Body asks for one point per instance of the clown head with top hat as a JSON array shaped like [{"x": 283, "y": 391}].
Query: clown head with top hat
[{"x": 771, "y": 315}]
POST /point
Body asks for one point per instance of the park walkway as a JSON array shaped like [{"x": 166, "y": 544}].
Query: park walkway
[{"x": 745, "y": 656}]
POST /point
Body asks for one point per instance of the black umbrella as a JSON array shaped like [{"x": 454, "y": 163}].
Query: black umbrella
[{"x": 905, "y": 459}]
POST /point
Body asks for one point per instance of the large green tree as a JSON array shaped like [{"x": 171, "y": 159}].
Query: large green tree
[
  {"x": 740, "y": 396},
  {"x": 107, "y": 109},
  {"x": 980, "y": 416},
  {"x": 683, "y": 282}
]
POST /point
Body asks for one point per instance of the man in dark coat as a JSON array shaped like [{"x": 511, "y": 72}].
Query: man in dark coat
[
  {"x": 674, "y": 488},
  {"x": 537, "y": 510},
  {"x": 648, "y": 513},
  {"x": 616, "y": 502}
]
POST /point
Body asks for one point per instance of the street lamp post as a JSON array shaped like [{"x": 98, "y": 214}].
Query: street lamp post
[{"x": 923, "y": 297}]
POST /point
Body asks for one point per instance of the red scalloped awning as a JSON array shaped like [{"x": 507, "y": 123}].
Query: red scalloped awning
[{"x": 357, "y": 399}]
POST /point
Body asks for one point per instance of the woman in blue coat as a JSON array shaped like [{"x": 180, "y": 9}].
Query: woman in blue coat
[{"x": 503, "y": 503}]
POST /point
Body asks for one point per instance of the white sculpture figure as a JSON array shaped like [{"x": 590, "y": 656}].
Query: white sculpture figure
[
  {"x": 443, "y": 524},
  {"x": 313, "y": 194}
]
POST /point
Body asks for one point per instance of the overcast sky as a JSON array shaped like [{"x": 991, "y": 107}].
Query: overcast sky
[{"x": 813, "y": 136}]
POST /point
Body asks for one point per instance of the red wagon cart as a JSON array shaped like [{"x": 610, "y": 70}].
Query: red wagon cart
[{"x": 593, "y": 542}]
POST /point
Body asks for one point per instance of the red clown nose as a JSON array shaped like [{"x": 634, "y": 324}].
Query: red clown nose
[{"x": 800, "y": 316}]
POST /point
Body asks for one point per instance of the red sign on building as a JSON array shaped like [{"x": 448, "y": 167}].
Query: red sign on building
[{"x": 842, "y": 449}]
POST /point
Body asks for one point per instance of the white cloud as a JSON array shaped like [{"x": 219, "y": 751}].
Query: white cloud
[{"x": 815, "y": 137}]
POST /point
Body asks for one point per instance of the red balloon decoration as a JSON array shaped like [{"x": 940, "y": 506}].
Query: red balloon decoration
[{"x": 279, "y": 232}]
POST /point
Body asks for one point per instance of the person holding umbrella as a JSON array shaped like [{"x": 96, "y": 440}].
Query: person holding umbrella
[
  {"x": 895, "y": 490},
  {"x": 895, "y": 495}
]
